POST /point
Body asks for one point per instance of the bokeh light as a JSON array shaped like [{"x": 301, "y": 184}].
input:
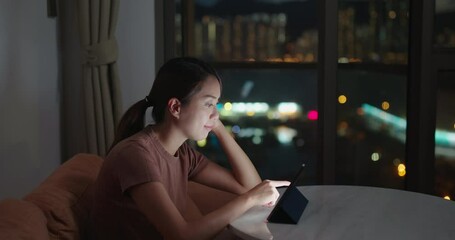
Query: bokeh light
[
  {"x": 228, "y": 106},
  {"x": 202, "y": 143},
  {"x": 342, "y": 99},
  {"x": 375, "y": 156},
  {"x": 401, "y": 170},
  {"x": 313, "y": 115},
  {"x": 385, "y": 105}
]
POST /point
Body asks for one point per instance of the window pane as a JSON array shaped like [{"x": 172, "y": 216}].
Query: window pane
[
  {"x": 269, "y": 106},
  {"x": 445, "y": 136},
  {"x": 371, "y": 128},
  {"x": 444, "y": 23},
  {"x": 272, "y": 114},
  {"x": 373, "y": 31},
  {"x": 263, "y": 30},
  {"x": 371, "y": 112}
]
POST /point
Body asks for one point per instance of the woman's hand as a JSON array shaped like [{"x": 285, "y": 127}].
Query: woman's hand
[
  {"x": 243, "y": 171},
  {"x": 219, "y": 126},
  {"x": 265, "y": 193}
]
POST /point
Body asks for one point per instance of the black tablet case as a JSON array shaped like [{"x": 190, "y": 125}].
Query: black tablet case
[{"x": 291, "y": 204}]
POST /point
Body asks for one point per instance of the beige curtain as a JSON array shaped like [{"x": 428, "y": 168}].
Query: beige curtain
[{"x": 100, "y": 82}]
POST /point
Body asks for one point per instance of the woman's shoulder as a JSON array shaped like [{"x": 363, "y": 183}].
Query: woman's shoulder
[{"x": 139, "y": 142}]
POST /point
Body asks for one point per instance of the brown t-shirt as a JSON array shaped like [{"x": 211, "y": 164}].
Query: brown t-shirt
[{"x": 139, "y": 159}]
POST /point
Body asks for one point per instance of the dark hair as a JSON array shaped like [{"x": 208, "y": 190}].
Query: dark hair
[{"x": 179, "y": 78}]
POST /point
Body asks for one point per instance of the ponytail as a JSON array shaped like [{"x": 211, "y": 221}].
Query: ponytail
[{"x": 132, "y": 121}]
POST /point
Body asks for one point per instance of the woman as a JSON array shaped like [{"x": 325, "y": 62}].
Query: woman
[{"x": 141, "y": 191}]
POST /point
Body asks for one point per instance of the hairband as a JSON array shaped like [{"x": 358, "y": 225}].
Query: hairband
[{"x": 147, "y": 100}]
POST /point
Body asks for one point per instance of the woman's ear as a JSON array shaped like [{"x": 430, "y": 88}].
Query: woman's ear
[{"x": 174, "y": 106}]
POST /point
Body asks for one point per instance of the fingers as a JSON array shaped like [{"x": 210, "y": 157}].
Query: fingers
[
  {"x": 279, "y": 183},
  {"x": 269, "y": 204},
  {"x": 266, "y": 192}
]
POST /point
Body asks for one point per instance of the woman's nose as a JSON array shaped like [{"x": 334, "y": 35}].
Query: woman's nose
[{"x": 215, "y": 114}]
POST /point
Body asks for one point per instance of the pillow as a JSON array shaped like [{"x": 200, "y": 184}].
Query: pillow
[
  {"x": 21, "y": 220},
  {"x": 65, "y": 196}
]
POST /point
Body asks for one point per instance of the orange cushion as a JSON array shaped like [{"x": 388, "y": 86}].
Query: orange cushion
[
  {"x": 64, "y": 196},
  {"x": 20, "y": 219}
]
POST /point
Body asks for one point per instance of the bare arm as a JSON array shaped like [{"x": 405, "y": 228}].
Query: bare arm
[
  {"x": 243, "y": 169},
  {"x": 152, "y": 200}
]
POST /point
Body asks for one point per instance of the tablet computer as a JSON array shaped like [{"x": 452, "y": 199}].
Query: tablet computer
[{"x": 291, "y": 204}]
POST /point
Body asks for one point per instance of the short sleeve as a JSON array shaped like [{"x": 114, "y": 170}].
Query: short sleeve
[
  {"x": 133, "y": 165},
  {"x": 196, "y": 160}
]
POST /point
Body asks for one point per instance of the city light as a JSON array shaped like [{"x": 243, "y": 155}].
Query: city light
[
  {"x": 385, "y": 105},
  {"x": 397, "y": 126},
  {"x": 342, "y": 128},
  {"x": 241, "y": 107},
  {"x": 283, "y": 110},
  {"x": 343, "y": 60},
  {"x": 257, "y": 140},
  {"x": 392, "y": 14},
  {"x": 228, "y": 106},
  {"x": 385, "y": 117},
  {"x": 287, "y": 108},
  {"x": 446, "y": 197},
  {"x": 375, "y": 157},
  {"x": 401, "y": 170},
  {"x": 250, "y": 132},
  {"x": 273, "y": 115},
  {"x": 360, "y": 111},
  {"x": 202, "y": 143},
  {"x": 236, "y": 129},
  {"x": 342, "y": 99},
  {"x": 219, "y": 106},
  {"x": 285, "y": 134},
  {"x": 312, "y": 115}
]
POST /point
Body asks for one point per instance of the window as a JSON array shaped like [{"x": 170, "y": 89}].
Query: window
[
  {"x": 372, "y": 75},
  {"x": 444, "y": 132},
  {"x": 444, "y": 24},
  {"x": 265, "y": 52},
  {"x": 445, "y": 136}
]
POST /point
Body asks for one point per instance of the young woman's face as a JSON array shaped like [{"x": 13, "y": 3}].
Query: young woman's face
[{"x": 199, "y": 116}]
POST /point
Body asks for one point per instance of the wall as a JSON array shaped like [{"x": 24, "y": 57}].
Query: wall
[
  {"x": 136, "y": 39},
  {"x": 30, "y": 146},
  {"x": 29, "y": 96}
]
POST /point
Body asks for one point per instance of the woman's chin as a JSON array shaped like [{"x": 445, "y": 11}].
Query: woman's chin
[{"x": 201, "y": 137}]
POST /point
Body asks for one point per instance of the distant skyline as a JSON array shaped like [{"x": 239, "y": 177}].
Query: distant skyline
[
  {"x": 302, "y": 17},
  {"x": 443, "y": 6},
  {"x": 301, "y": 14}
]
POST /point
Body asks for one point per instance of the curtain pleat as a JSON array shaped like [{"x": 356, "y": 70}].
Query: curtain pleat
[{"x": 97, "y": 22}]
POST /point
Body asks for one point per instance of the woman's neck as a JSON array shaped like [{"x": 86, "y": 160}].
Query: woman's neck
[{"x": 169, "y": 138}]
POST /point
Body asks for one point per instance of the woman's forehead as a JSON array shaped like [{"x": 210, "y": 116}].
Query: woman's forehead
[{"x": 210, "y": 87}]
